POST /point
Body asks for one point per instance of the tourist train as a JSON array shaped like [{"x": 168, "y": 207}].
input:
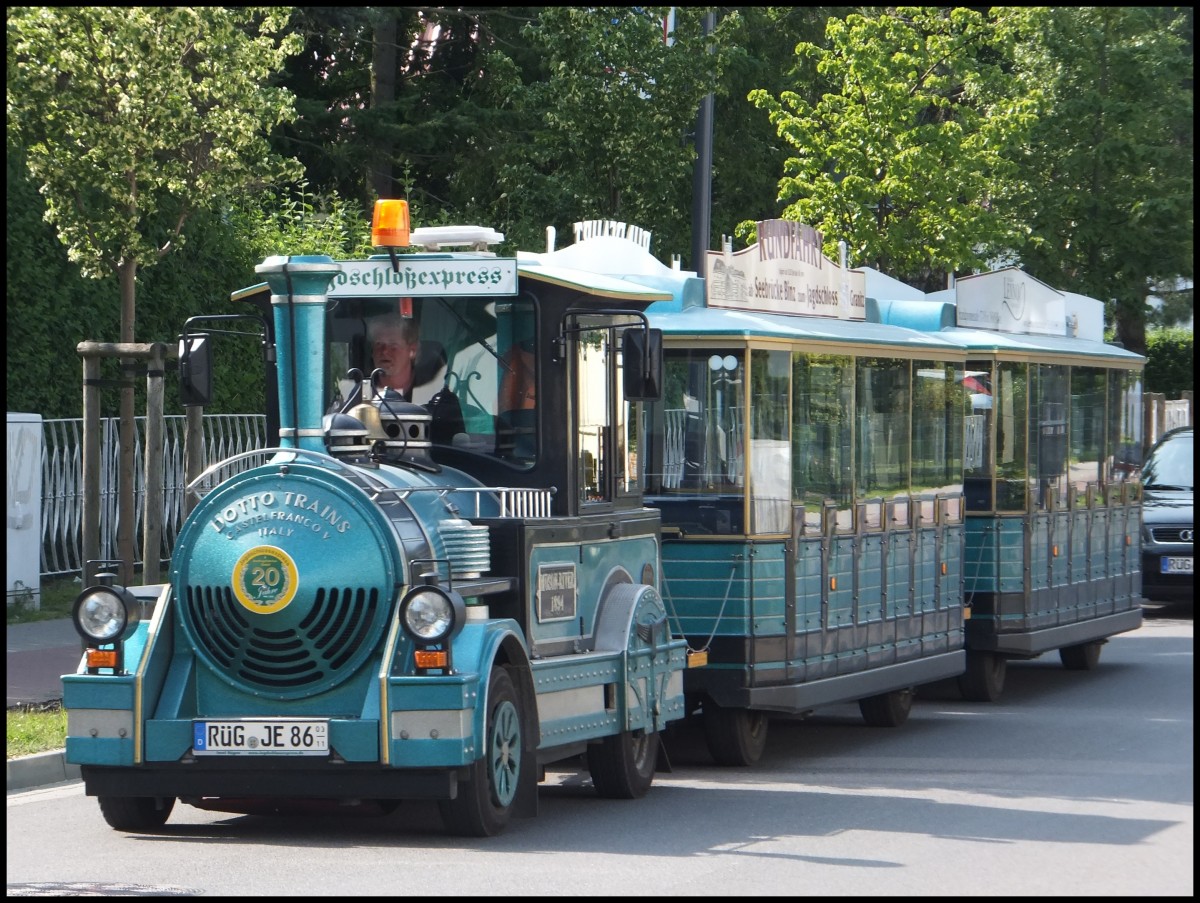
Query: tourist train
[{"x": 612, "y": 496}]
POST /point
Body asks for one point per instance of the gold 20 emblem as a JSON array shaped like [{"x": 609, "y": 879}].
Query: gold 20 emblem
[{"x": 265, "y": 579}]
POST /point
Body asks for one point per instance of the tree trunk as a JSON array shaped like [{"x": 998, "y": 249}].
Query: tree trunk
[
  {"x": 1131, "y": 325},
  {"x": 383, "y": 92}
]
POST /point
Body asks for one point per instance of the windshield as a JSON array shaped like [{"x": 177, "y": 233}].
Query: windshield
[
  {"x": 1170, "y": 464},
  {"x": 468, "y": 360}
]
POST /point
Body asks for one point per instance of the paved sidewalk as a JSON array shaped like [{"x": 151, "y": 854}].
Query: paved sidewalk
[{"x": 38, "y": 655}]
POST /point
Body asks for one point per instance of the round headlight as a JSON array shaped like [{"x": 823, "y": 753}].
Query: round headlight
[
  {"x": 102, "y": 613},
  {"x": 430, "y": 613}
]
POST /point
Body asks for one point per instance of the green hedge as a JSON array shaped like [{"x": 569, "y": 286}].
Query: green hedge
[
  {"x": 1169, "y": 367},
  {"x": 52, "y": 307}
]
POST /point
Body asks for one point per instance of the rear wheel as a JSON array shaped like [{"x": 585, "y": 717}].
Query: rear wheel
[
  {"x": 736, "y": 737},
  {"x": 484, "y": 803},
  {"x": 136, "y": 813},
  {"x": 622, "y": 766},
  {"x": 1083, "y": 657},
  {"x": 983, "y": 681},
  {"x": 887, "y": 709}
]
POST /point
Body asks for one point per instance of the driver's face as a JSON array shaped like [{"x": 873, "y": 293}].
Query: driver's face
[{"x": 395, "y": 357}]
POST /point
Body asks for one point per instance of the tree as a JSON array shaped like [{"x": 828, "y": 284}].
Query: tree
[
  {"x": 132, "y": 118},
  {"x": 1110, "y": 201},
  {"x": 756, "y": 50},
  {"x": 331, "y": 80},
  {"x": 601, "y": 125},
  {"x": 908, "y": 155},
  {"x": 393, "y": 95}
]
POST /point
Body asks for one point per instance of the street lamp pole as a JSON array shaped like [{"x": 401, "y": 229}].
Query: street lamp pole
[{"x": 702, "y": 180}]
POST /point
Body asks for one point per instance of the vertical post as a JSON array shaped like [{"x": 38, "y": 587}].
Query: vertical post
[
  {"x": 193, "y": 453},
  {"x": 383, "y": 93},
  {"x": 126, "y": 476},
  {"x": 1155, "y": 404},
  {"x": 91, "y": 466},
  {"x": 702, "y": 180},
  {"x": 153, "y": 511}
]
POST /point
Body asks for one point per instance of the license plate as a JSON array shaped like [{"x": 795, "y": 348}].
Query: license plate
[
  {"x": 266, "y": 737},
  {"x": 1177, "y": 565}
]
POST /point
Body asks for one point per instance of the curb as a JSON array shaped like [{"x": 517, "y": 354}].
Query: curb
[{"x": 40, "y": 770}]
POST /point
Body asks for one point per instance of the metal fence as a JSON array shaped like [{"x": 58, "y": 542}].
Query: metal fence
[{"x": 62, "y": 481}]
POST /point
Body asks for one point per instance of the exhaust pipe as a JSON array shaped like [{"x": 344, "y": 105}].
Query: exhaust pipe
[{"x": 299, "y": 295}]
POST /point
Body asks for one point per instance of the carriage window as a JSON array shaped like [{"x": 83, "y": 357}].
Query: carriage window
[
  {"x": 1012, "y": 459},
  {"x": 884, "y": 404},
  {"x": 1125, "y": 425},
  {"x": 770, "y": 442},
  {"x": 696, "y": 450},
  {"x": 1087, "y": 428},
  {"x": 979, "y": 411},
  {"x": 939, "y": 405},
  {"x": 1048, "y": 412},
  {"x": 822, "y": 389}
]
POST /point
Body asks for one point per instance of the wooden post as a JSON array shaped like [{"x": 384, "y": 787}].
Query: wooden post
[
  {"x": 126, "y": 481},
  {"x": 193, "y": 453},
  {"x": 152, "y": 515},
  {"x": 91, "y": 467},
  {"x": 1154, "y": 403},
  {"x": 92, "y": 354}
]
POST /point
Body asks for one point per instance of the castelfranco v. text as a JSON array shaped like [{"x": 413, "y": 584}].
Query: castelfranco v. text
[{"x": 295, "y": 508}]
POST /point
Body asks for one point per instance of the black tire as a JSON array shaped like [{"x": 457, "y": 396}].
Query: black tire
[
  {"x": 983, "y": 680},
  {"x": 622, "y": 766},
  {"x": 484, "y": 804},
  {"x": 887, "y": 709},
  {"x": 136, "y": 813},
  {"x": 1083, "y": 657},
  {"x": 736, "y": 737}
]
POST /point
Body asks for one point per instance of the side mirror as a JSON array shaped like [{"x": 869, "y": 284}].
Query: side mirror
[
  {"x": 195, "y": 370},
  {"x": 642, "y": 364}
]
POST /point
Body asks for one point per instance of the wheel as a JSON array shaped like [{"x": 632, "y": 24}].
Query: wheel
[
  {"x": 1083, "y": 657},
  {"x": 887, "y": 709},
  {"x": 735, "y": 737},
  {"x": 983, "y": 681},
  {"x": 136, "y": 813},
  {"x": 623, "y": 766},
  {"x": 484, "y": 802}
]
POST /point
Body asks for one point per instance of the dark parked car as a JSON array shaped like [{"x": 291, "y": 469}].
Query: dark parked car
[{"x": 1167, "y": 519}]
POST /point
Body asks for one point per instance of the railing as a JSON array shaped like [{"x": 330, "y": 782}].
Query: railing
[{"x": 62, "y": 481}]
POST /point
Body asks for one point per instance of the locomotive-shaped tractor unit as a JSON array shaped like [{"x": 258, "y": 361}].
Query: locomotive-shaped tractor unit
[{"x": 383, "y": 608}]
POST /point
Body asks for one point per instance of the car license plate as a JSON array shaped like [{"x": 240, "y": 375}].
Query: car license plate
[
  {"x": 266, "y": 737},
  {"x": 1177, "y": 565}
]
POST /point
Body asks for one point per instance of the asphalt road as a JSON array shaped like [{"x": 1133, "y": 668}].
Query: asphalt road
[{"x": 1074, "y": 784}]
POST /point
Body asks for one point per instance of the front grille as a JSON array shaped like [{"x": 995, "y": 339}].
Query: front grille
[
  {"x": 1171, "y": 534},
  {"x": 324, "y": 642}
]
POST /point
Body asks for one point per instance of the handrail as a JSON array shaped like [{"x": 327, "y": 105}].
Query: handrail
[{"x": 513, "y": 501}]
